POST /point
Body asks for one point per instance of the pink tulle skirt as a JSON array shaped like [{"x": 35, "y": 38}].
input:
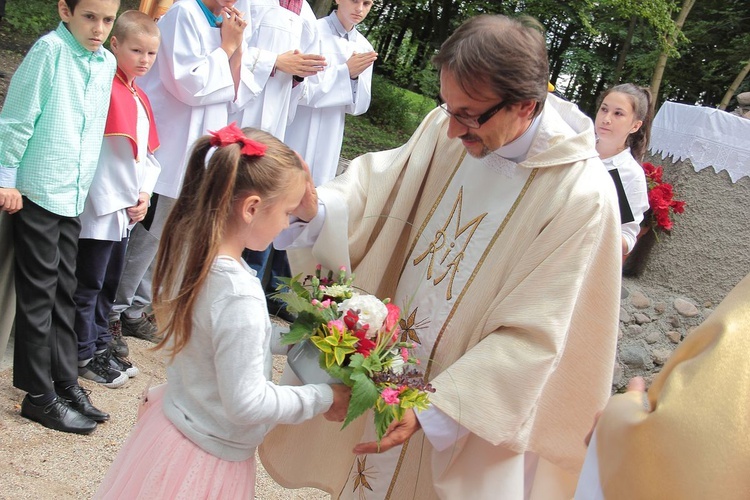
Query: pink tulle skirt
[{"x": 158, "y": 462}]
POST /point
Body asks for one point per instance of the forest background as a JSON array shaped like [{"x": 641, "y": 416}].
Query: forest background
[{"x": 688, "y": 51}]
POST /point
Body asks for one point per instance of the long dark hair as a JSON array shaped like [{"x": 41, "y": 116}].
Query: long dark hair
[{"x": 640, "y": 98}]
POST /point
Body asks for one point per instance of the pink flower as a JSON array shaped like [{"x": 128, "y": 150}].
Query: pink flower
[
  {"x": 391, "y": 320},
  {"x": 337, "y": 324},
  {"x": 390, "y": 396},
  {"x": 405, "y": 354},
  {"x": 326, "y": 303},
  {"x": 315, "y": 302}
]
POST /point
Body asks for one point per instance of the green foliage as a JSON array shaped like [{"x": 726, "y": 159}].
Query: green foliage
[
  {"x": 389, "y": 105},
  {"x": 393, "y": 116},
  {"x": 364, "y": 396},
  {"x": 32, "y": 18}
]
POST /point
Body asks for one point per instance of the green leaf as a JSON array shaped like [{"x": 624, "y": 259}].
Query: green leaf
[
  {"x": 322, "y": 344},
  {"x": 364, "y": 396},
  {"x": 340, "y": 354},
  {"x": 343, "y": 373},
  {"x": 372, "y": 364},
  {"x": 382, "y": 420}
]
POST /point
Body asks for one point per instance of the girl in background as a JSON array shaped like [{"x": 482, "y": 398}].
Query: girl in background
[
  {"x": 196, "y": 436},
  {"x": 623, "y": 128}
]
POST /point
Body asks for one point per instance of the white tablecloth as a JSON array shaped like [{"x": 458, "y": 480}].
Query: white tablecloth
[{"x": 708, "y": 136}]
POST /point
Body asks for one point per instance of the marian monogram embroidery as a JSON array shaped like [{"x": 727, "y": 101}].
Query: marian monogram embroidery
[{"x": 446, "y": 250}]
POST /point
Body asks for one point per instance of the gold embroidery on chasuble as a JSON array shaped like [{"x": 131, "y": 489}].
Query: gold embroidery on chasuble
[
  {"x": 449, "y": 244},
  {"x": 410, "y": 325},
  {"x": 361, "y": 476},
  {"x": 463, "y": 235}
]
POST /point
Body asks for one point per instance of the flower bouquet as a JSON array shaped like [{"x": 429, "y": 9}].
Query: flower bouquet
[
  {"x": 660, "y": 199},
  {"x": 657, "y": 218},
  {"x": 356, "y": 339}
]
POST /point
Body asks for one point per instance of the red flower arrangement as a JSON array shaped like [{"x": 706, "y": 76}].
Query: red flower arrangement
[{"x": 660, "y": 199}]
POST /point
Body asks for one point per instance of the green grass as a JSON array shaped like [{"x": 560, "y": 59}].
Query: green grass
[{"x": 379, "y": 129}]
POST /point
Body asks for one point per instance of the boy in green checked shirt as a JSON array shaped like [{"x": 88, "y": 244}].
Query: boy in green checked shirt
[{"x": 51, "y": 130}]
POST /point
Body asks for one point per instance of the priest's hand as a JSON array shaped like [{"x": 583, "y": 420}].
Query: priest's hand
[
  {"x": 398, "y": 432},
  {"x": 308, "y": 206}
]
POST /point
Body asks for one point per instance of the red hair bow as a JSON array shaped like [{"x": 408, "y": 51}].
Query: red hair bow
[{"x": 232, "y": 134}]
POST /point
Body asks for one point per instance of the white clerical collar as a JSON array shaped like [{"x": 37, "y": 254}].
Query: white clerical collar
[
  {"x": 518, "y": 150},
  {"x": 335, "y": 23}
]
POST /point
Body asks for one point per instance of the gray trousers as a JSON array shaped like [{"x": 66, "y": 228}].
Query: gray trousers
[
  {"x": 134, "y": 291},
  {"x": 7, "y": 283}
]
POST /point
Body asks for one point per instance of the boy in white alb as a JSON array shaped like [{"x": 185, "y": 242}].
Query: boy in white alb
[
  {"x": 317, "y": 130},
  {"x": 118, "y": 198}
]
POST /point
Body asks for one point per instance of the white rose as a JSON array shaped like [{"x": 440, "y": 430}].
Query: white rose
[{"x": 370, "y": 309}]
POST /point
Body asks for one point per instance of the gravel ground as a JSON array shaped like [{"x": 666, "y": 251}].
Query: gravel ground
[{"x": 36, "y": 462}]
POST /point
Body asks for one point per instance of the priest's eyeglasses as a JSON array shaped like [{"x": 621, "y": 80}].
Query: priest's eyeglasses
[{"x": 472, "y": 121}]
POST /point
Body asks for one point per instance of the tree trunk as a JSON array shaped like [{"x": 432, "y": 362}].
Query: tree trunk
[
  {"x": 624, "y": 52},
  {"x": 733, "y": 88},
  {"x": 556, "y": 55},
  {"x": 661, "y": 63}
]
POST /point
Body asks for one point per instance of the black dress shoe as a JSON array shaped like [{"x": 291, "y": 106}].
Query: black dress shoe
[
  {"x": 57, "y": 415},
  {"x": 78, "y": 398}
]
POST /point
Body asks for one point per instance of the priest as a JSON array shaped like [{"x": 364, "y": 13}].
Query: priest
[{"x": 495, "y": 229}]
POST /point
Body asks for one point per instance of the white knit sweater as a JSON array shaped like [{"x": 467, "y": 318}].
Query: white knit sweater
[{"x": 220, "y": 394}]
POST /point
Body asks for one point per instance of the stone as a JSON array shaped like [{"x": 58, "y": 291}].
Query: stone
[
  {"x": 660, "y": 307},
  {"x": 624, "y": 293},
  {"x": 660, "y": 356},
  {"x": 685, "y": 308},
  {"x": 618, "y": 377},
  {"x": 675, "y": 322},
  {"x": 641, "y": 318},
  {"x": 634, "y": 331},
  {"x": 625, "y": 316},
  {"x": 653, "y": 337},
  {"x": 743, "y": 99},
  {"x": 636, "y": 356},
  {"x": 707, "y": 304},
  {"x": 674, "y": 336},
  {"x": 620, "y": 334},
  {"x": 639, "y": 300}
]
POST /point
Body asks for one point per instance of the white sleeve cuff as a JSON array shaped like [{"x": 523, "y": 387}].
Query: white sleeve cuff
[
  {"x": 301, "y": 234},
  {"x": 8, "y": 177},
  {"x": 442, "y": 431}
]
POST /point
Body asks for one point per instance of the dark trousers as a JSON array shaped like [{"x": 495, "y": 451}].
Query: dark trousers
[
  {"x": 45, "y": 346},
  {"x": 99, "y": 269},
  {"x": 269, "y": 264}
]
